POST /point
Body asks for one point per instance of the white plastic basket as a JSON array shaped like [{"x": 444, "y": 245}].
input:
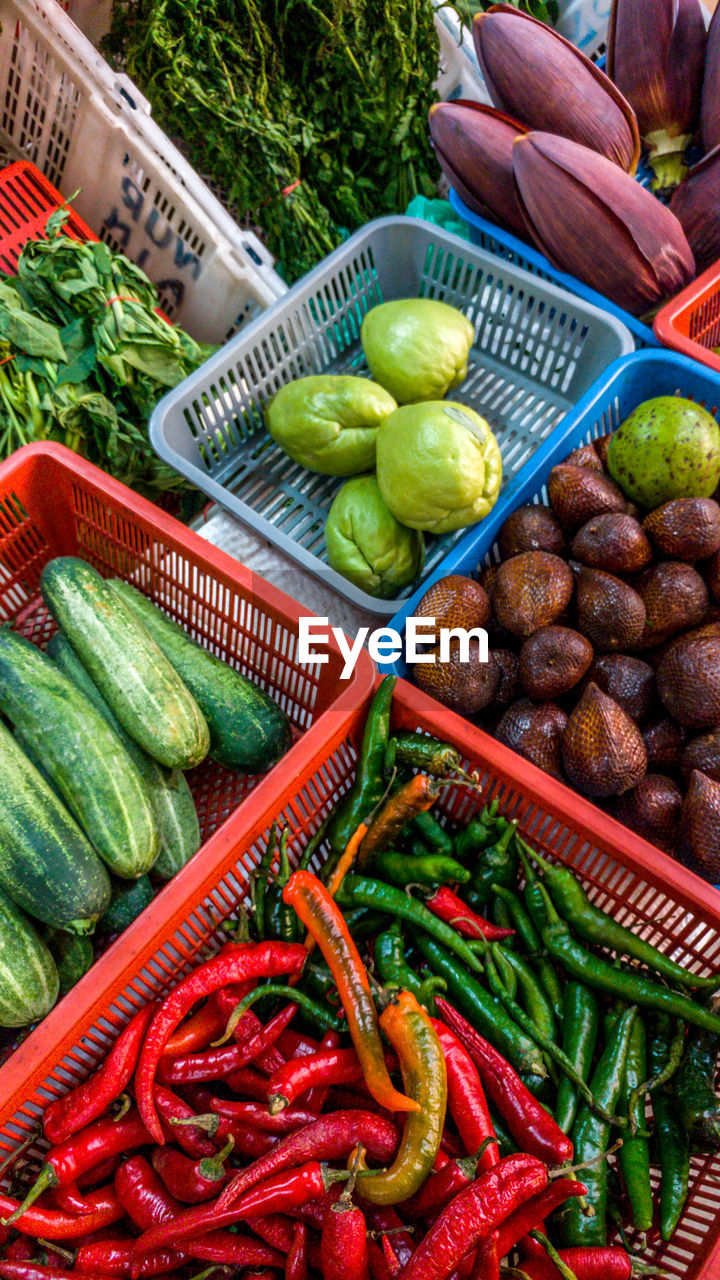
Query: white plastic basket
[
  {"x": 459, "y": 72},
  {"x": 88, "y": 129}
]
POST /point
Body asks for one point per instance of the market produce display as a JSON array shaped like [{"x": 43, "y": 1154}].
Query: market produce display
[
  {"x": 407, "y": 1101},
  {"x": 85, "y": 357},
  {"x": 103, "y": 726},
  {"x": 604, "y": 664},
  {"x": 438, "y": 465},
  {"x": 554, "y": 158}
]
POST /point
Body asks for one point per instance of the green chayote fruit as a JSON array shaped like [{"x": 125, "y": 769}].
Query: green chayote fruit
[
  {"x": 329, "y": 423},
  {"x": 667, "y": 448},
  {"x": 367, "y": 545},
  {"x": 416, "y": 347},
  {"x": 438, "y": 466}
]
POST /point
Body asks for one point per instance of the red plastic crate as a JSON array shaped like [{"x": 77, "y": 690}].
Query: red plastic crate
[
  {"x": 54, "y": 503},
  {"x": 26, "y": 201},
  {"x": 626, "y": 876},
  {"x": 691, "y": 322}
]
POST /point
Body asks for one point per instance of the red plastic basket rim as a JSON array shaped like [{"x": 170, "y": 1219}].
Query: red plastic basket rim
[
  {"x": 665, "y": 322},
  {"x": 170, "y": 906}
]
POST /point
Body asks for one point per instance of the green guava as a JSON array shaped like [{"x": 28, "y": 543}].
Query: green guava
[
  {"x": 667, "y": 448},
  {"x": 416, "y": 347},
  {"x": 329, "y": 423},
  {"x": 438, "y": 466},
  {"x": 367, "y": 545}
]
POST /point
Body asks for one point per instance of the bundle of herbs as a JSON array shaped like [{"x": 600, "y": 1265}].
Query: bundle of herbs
[
  {"x": 310, "y": 116},
  {"x": 84, "y": 358}
]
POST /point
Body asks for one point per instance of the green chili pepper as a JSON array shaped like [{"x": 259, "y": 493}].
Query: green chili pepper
[
  {"x": 483, "y": 1011},
  {"x": 527, "y": 933},
  {"x": 394, "y": 970},
  {"x": 364, "y": 923},
  {"x": 279, "y": 920},
  {"x": 432, "y": 832},
  {"x": 590, "y": 1137},
  {"x": 580, "y": 1021},
  {"x": 259, "y": 881},
  {"x": 507, "y": 973},
  {"x": 534, "y": 999},
  {"x": 634, "y": 1155},
  {"x": 319, "y": 984},
  {"x": 496, "y": 864},
  {"x": 671, "y": 1140},
  {"x": 321, "y": 1016},
  {"x": 501, "y": 917},
  {"x": 357, "y": 891},
  {"x": 368, "y": 786},
  {"x": 596, "y": 926},
  {"x": 694, "y": 1087},
  {"x": 624, "y": 984},
  {"x": 420, "y": 751},
  {"x": 507, "y": 1146},
  {"x": 429, "y": 869},
  {"x": 668, "y": 1070},
  {"x": 479, "y": 834}
]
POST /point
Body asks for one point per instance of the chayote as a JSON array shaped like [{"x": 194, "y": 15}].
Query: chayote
[
  {"x": 438, "y": 466},
  {"x": 416, "y": 347},
  {"x": 329, "y": 423},
  {"x": 367, "y": 545}
]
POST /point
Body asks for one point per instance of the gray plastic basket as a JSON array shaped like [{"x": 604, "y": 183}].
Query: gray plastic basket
[{"x": 537, "y": 351}]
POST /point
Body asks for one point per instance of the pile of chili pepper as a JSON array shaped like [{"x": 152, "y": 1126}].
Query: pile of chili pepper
[{"x": 434, "y": 1059}]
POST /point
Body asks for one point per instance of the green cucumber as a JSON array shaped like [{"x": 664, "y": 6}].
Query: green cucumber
[
  {"x": 248, "y": 730},
  {"x": 29, "y": 981},
  {"x": 73, "y": 957},
  {"x": 84, "y": 760},
  {"x": 47, "y": 866},
  {"x": 127, "y": 903},
  {"x": 143, "y": 689},
  {"x": 170, "y": 796}
]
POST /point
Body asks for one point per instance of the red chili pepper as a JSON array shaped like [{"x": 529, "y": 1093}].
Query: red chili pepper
[
  {"x": 529, "y": 1216},
  {"x": 451, "y": 1145},
  {"x": 214, "y": 1064},
  {"x": 296, "y": 1262},
  {"x": 268, "y": 1058},
  {"x": 64, "y": 1163},
  {"x": 377, "y": 1262},
  {"x": 259, "y": 1117},
  {"x": 21, "y": 1248},
  {"x": 91, "y": 1099},
  {"x": 385, "y": 1218},
  {"x": 532, "y": 1127},
  {"x": 343, "y": 1244},
  {"x": 330, "y": 1137},
  {"x": 276, "y": 1195},
  {"x": 172, "y": 1108},
  {"x": 318, "y": 912},
  {"x": 35, "y": 1271},
  {"x": 71, "y": 1200},
  {"x": 52, "y": 1224},
  {"x": 295, "y": 1044},
  {"x": 234, "y": 963},
  {"x": 447, "y": 906},
  {"x": 113, "y": 1257},
  {"x": 466, "y": 1098},
  {"x": 99, "y": 1174},
  {"x": 199, "y": 1031},
  {"x": 276, "y": 1230},
  {"x": 327, "y": 1067},
  {"x": 474, "y": 1214},
  {"x": 394, "y": 1265},
  {"x": 440, "y": 1187},
  {"x": 316, "y": 1098},
  {"x": 249, "y": 1083},
  {"x": 588, "y": 1264},
  {"x": 191, "y": 1182},
  {"x": 152, "y": 1208}
]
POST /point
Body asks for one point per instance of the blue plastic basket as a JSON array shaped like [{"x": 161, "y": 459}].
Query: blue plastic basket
[
  {"x": 627, "y": 382},
  {"x": 503, "y": 243}
]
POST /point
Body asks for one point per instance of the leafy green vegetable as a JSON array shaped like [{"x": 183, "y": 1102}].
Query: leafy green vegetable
[{"x": 84, "y": 357}]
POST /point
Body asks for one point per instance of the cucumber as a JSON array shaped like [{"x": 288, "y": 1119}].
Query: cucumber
[
  {"x": 73, "y": 957},
  {"x": 134, "y": 676},
  {"x": 28, "y": 976},
  {"x": 47, "y": 866},
  {"x": 127, "y": 903},
  {"x": 170, "y": 795},
  {"x": 248, "y": 730},
  {"x": 84, "y": 760}
]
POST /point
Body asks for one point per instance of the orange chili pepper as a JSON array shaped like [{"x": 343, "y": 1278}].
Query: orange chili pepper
[
  {"x": 415, "y": 796},
  {"x": 198, "y": 1032},
  {"x": 340, "y": 872},
  {"x": 318, "y": 912}
]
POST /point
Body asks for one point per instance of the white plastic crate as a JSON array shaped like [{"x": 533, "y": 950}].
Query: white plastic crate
[
  {"x": 88, "y": 129},
  {"x": 459, "y": 73}
]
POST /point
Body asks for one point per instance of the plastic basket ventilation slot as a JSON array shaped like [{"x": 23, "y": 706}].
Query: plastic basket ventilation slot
[
  {"x": 704, "y": 322},
  {"x": 40, "y": 105}
]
